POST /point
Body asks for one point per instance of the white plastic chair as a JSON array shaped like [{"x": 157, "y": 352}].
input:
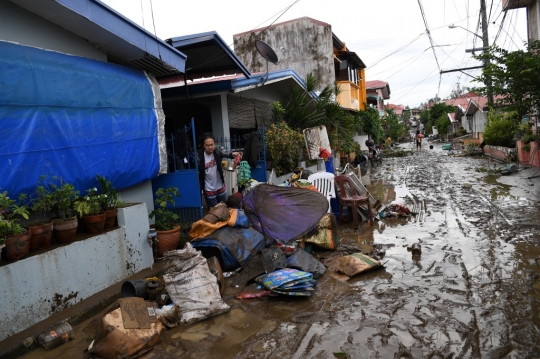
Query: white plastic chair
[{"x": 324, "y": 182}]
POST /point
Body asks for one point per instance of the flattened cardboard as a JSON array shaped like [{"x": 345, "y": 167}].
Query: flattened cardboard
[{"x": 135, "y": 313}]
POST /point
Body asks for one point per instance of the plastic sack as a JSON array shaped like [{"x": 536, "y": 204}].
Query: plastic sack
[
  {"x": 191, "y": 285},
  {"x": 352, "y": 264}
]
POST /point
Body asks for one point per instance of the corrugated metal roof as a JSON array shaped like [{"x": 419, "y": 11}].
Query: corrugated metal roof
[
  {"x": 114, "y": 34},
  {"x": 208, "y": 55},
  {"x": 174, "y": 87}
]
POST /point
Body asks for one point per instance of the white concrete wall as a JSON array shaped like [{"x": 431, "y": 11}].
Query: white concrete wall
[
  {"x": 479, "y": 122},
  {"x": 361, "y": 140},
  {"x": 23, "y": 27},
  {"x": 34, "y": 288},
  {"x": 140, "y": 193}
]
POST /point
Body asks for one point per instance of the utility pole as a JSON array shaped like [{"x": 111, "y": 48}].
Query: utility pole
[{"x": 485, "y": 44}]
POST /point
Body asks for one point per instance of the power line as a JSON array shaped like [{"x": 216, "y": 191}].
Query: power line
[
  {"x": 217, "y": 57},
  {"x": 154, "y": 24},
  {"x": 396, "y": 51},
  {"x": 428, "y": 33}
]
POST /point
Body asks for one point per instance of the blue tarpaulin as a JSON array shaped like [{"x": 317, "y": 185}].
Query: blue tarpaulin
[
  {"x": 233, "y": 246},
  {"x": 73, "y": 118}
]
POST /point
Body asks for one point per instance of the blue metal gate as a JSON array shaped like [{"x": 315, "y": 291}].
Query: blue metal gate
[{"x": 183, "y": 174}]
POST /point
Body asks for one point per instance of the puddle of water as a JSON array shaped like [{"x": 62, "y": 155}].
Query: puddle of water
[{"x": 501, "y": 191}]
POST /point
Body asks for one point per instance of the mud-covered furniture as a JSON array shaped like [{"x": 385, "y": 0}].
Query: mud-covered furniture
[{"x": 349, "y": 197}]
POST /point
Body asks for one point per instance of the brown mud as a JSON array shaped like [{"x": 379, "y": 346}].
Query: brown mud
[{"x": 473, "y": 293}]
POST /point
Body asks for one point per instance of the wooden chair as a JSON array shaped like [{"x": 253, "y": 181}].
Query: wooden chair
[
  {"x": 324, "y": 182},
  {"x": 349, "y": 197}
]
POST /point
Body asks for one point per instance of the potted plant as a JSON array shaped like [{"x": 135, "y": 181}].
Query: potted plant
[
  {"x": 65, "y": 224},
  {"x": 110, "y": 198},
  {"x": 90, "y": 210},
  {"x": 167, "y": 228},
  {"x": 12, "y": 234},
  {"x": 42, "y": 204}
]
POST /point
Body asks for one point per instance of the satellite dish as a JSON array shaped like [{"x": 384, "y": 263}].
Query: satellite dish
[
  {"x": 266, "y": 51},
  {"x": 268, "y": 54}
]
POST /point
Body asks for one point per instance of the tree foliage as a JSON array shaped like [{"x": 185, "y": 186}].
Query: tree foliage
[
  {"x": 515, "y": 75},
  {"x": 458, "y": 91},
  {"x": 437, "y": 116},
  {"x": 500, "y": 129},
  {"x": 370, "y": 122},
  {"x": 284, "y": 146},
  {"x": 394, "y": 126},
  {"x": 302, "y": 110}
]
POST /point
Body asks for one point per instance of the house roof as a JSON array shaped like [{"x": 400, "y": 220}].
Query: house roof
[
  {"x": 208, "y": 55},
  {"x": 352, "y": 56},
  {"x": 379, "y": 85},
  {"x": 463, "y": 100},
  {"x": 452, "y": 117},
  {"x": 175, "y": 86},
  {"x": 118, "y": 37},
  {"x": 398, "y": 109}
]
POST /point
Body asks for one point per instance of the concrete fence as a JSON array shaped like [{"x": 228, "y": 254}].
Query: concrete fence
[{"x": 34, "y": 288}]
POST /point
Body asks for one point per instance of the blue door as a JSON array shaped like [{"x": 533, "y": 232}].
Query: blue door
[
  {"x": 183, "y": 174},
  {"x": 259, "y": 173}
]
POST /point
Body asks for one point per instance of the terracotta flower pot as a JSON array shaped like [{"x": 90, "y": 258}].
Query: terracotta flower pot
[
  {"x": 65, "y": 230},
  {"x": 167, "y": 240},
  {"x": 94, "y": 224},
  {"x": 41, "y": 236},
  {"x": 110, "y": 216},
  {"x": 17, "y": 246}
]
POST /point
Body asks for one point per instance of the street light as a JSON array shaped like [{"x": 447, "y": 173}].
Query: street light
[
  {"x": 485, "y": 43},
  {"x": 454, "y": 26}
]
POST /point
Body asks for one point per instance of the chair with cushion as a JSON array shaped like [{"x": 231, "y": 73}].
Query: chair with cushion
[
  {"x": 324, "y": 182},
  {"x": 349, "y": 197}
]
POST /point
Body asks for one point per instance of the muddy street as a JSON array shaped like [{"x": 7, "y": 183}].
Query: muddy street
[{"x": 474, "y": 292}]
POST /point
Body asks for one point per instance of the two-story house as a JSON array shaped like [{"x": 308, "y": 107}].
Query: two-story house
[{"x": 308, "y": 46}]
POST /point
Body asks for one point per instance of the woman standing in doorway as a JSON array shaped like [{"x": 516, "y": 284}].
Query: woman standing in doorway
[{"x": 211, "y": 176}]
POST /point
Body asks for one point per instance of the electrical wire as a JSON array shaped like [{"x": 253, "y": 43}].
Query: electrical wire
[
  {"x": 500, "y": 27},
  {"x": 217, "y": 56},
  {"x": 397, "y": 50},
  {"x": 154, "y": 24},
  {"x": 428, "y": 33}
]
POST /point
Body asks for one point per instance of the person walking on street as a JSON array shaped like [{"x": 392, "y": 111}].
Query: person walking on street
[
  {"x": 418, "y": 139},
  {"x": 211, "y": 176}
]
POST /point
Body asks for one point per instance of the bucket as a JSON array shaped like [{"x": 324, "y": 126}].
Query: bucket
[
  {"x": 330, "y": 165},
  {"x": 134, "y": 288}
]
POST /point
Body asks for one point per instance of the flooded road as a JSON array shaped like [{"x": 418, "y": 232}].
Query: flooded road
[{"x": 473, "y": 293}]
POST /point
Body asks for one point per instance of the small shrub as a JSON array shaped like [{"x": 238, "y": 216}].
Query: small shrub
[
  {"x": 165, "y": 218},
  {"x": 500, "y": 130},
  {"x": 284, "y": 146}
]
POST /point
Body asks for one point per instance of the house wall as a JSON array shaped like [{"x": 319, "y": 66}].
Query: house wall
[
  {"x": 23, "y": 27},
  {"x": 34, "y": 288},
  {"x": 479, "y": 121},
  {"x": 220, "y": 116},
  {"x": 361, "y": 140},
  {"x": 289, "y": 42},
  {"x": 141, "y": 193}
]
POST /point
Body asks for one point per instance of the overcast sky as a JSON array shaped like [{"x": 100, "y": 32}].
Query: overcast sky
[{"x": 388, "y": 35}]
